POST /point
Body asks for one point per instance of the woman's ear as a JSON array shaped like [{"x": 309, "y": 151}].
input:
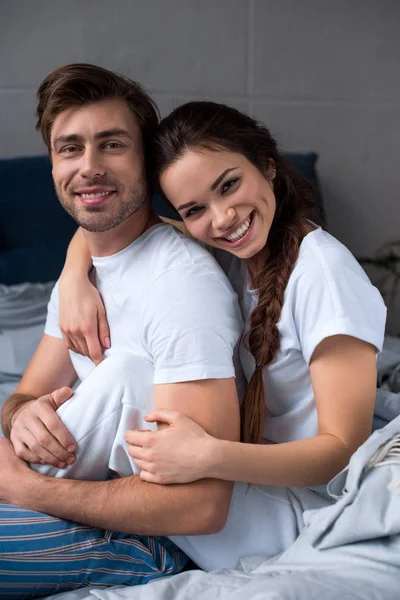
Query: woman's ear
[{"x": 271, "y": 169}]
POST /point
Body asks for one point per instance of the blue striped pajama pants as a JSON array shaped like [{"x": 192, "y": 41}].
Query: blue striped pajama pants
[{"x": 42, "y": 555}]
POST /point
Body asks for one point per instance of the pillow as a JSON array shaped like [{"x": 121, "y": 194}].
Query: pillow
[
  {"x": 34, "y": 229},
  {"x": 30, "y": 212},
  {"x": 23, "y": 310}
]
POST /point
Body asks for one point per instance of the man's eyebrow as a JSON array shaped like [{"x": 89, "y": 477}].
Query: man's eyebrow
[
  {"x": 220, "y": 178},
  {"x": 74, "y": 137},
  {"x": 111, "y": 132}
]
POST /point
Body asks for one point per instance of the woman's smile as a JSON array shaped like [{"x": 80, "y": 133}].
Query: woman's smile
[
  {"x": 239, "y": 233},
  {"x": 232, "y": 203}
]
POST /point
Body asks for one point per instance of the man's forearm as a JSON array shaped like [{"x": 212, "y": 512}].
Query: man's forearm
[
  {"x": 11, "y": 405},
  {"x": 129, "y": 504}
]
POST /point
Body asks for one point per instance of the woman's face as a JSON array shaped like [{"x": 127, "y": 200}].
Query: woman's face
[{"x": 223, "y": 199}]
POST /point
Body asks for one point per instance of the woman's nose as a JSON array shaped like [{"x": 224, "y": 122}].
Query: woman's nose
[{"x": 224, "y": 218}]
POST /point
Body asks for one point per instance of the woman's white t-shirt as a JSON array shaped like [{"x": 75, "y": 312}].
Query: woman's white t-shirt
[{"x": 328, "y": 293}]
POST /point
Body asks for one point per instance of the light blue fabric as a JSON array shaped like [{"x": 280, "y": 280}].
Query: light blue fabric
[{"x": 362, "y": 528}]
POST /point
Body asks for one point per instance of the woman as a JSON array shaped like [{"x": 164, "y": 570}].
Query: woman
[{"x": 313, "y": 320}]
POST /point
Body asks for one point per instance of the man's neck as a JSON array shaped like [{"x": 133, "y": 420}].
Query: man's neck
[{"x": 107, "y": 243}]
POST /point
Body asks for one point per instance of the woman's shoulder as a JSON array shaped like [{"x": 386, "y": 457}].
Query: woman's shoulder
[
  {"x": 322, "y": 256},
  {"x": 329, "y": 293},
  {"x": 328, "y": 277}
]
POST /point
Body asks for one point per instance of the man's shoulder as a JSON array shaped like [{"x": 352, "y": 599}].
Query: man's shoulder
[{"x": 170, "y": 253}]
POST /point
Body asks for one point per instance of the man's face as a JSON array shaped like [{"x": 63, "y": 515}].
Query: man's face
[{"x": 98, "y": 163}]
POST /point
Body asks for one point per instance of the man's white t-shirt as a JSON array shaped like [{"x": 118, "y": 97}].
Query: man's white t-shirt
[
  {"x": 168, "y": 301},
  {"x": 328, "y": 293}
]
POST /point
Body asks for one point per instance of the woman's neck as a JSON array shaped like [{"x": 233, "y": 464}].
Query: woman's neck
[{"x": 255, "y": 265}]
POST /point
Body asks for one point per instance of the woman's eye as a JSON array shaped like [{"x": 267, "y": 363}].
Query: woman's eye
[
  {"x": 228, "y": 184},
  {"x": 192, "y": 211}
]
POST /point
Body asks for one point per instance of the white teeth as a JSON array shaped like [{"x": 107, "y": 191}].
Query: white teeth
[
  {"x": 98, "y": 195},
  {"x": 239, "y": 233}
]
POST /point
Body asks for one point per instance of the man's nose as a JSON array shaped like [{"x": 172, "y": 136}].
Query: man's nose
[
  {"x": 223, "y": 217},
  {"x": 92, "y": 165}
]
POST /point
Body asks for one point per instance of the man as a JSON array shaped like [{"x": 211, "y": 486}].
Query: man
[{"x": 158, "y": 288}]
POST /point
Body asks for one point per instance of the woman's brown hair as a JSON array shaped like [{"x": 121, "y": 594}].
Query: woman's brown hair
[{"x": 213, "y": 126}]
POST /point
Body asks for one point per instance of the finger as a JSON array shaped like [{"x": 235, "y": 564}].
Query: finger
[
  {"x": 44, "y": 439},
  {"x": 68, "y": 342},
  {"x": 58, "y": 397},
  {"x": 34, "y": 447},
  {"x": 23, "y": 452},
  {"x": 151, "y": 477},
  {"x": 71, "y": 343},
  {"x": 136, "y": 452},
  {"x": 83, "y": 344},
  {"x": 137, "y": 437},
  {"x": 162, "y": 415},
  {"x": 59, "y": 433},
  {"x": 145, "y": 466},
  {"x": 80, "y": 345},
  {"x": 103, "y": 329},
  {"x": 94, "y": 348}
]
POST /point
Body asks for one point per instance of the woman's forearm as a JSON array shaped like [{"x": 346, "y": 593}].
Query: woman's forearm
[
  {"x": 309, "y": 462},
  {"x": 78, "y": 260}
]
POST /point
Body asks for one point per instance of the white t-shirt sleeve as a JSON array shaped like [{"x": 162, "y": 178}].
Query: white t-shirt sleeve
[
  {"x": 52, "y": 327},
  {"x": 332, "y": 299},
  {"x": 191, "y": 324}
]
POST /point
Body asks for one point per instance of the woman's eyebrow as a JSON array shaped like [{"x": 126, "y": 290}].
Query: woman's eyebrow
[
  {"x": 182, "y": 206},
  {"x": 220, "y": 178},
  {"x": 213, "y": 186}
]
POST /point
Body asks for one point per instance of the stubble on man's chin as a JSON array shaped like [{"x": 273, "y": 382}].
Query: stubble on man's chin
[{"x": 102, "y": 218}]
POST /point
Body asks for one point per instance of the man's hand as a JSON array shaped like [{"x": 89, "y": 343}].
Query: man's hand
[
  {"x": 13, "y": 472},
  {"x": 38, "y": 434}
]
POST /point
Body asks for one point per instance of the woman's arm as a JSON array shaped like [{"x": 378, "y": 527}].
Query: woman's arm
[
  {"x": 343, "y": 373},
  {"x": 83, "y": 321}
]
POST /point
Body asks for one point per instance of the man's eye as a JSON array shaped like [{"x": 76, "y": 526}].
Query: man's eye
[
  {"x": 69, "y": 149},
  {"x": 228, "y": 184},
  {"x": 113, "y": 145},
  {"x": 192, "y": 211}
]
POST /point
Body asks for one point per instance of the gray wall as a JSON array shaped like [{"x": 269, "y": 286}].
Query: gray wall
[{"x": 323, "y": 74}]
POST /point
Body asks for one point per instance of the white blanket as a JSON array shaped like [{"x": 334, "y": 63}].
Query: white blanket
[{"x": 349, "y": 550}]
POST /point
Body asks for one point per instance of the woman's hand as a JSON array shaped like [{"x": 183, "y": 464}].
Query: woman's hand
[
  {"x": 178, "y": 453},
  {"x": 83, "y": 320}
]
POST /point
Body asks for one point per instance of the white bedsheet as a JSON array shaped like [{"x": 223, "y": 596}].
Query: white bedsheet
[{"x": 349, "y": 550}]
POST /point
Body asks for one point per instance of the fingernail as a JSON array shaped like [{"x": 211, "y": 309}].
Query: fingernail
[
  {"x": 108, "y": 342},
  {"x": 71, "y": 448},
  {"x": 71, "y": 460},
  {"x": 61, "y": 465}
]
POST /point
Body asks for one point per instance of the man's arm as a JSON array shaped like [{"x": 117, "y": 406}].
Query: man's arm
[
  {"x": 49, "y": 369},
  {"x": 131, "y": 505}
]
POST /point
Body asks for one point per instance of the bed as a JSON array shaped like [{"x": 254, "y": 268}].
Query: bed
[{"x": 348, "y": 550}]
